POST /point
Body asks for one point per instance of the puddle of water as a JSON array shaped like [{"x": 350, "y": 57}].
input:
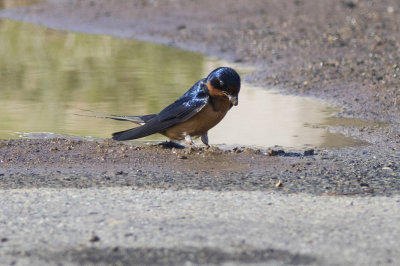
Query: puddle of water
[
  {"x": 267, "y": 118},
  {"x": 17, "y": 3},
  {"x": 48, "y": 75}
]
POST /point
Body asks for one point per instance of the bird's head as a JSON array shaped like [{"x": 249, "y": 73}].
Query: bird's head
[{"x": 227, "y": 81}]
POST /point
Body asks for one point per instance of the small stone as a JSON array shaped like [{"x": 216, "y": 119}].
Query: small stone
[
  {"x": 237, "y": 150},
  {"x": 275, "y": 152},
  {"x": 181, "y": 27},
  {"x": 349, "y": 4},
  {"x": 94, "y": 238},
  {"x": 309, "y": 152},
  {"x": 119, "y": 173}
]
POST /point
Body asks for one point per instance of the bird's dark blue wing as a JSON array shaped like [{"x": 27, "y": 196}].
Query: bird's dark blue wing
[
  {"x": 181, "y": 110},
  {"x": 187, "y": 105}
]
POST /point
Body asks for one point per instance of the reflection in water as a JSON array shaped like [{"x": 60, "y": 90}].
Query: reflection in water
[
  {"x": 48, "y": 75},
  {"x": 17, "y": 3}
]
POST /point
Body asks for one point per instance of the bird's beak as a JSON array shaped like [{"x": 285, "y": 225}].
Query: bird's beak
[{"x": 233, "y": 99}]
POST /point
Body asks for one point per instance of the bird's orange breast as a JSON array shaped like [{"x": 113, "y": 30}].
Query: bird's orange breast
[{"x": 200, "y": 123}]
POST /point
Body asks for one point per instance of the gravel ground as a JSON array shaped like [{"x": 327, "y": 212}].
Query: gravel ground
[
  {"x": 332, "y": 207},
  {"x": 60, "y": 163},
  {"x": 121, "y": 226}
]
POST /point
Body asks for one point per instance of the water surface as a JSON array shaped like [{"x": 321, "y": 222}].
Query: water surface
[{"x": 47, "y": 76}]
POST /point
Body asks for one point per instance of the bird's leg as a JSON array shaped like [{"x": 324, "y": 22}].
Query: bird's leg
[
  {"x": 204, "y": 139},
  {"x": 189, "y": 140}
]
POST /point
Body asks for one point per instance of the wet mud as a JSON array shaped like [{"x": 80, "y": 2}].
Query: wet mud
[{"x": 60, "y": 163}]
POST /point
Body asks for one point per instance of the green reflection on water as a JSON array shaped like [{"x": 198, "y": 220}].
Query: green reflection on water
[
  {"x": 17, "y": 3},
  {"x": 46, "y": 75}
]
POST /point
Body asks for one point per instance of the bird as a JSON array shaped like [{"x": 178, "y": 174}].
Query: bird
[{"x": 192, "y": 115}]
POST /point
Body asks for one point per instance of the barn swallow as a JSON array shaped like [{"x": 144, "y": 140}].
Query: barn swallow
[{"x": 198, "y": 110}]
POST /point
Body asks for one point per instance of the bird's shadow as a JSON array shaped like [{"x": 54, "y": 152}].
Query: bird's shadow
[{"x": 171, "y": 145}]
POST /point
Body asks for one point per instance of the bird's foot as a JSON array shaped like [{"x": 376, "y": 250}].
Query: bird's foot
[
  {"x": 189, "y": 141},
  {"x": 204, "y": 139}
]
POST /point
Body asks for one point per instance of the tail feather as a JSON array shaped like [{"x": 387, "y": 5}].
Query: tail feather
[
  {"x": 128, "y": 134},
  {"x": 151, "y": 127},
  {"x": 134, "y": 133},
  {"x": 140, "y": 120}
]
